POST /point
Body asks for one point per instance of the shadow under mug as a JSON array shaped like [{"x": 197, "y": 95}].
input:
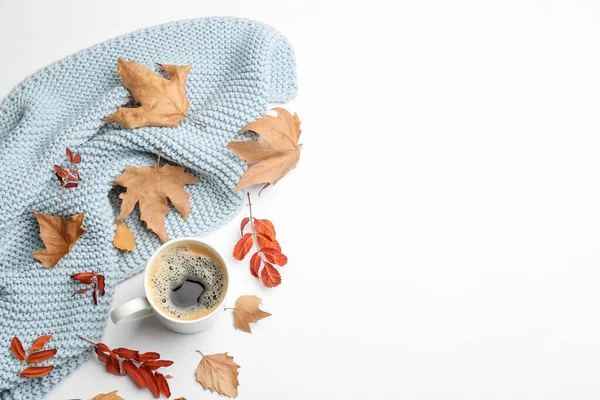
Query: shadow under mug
[{"x": 144, "y": 307}]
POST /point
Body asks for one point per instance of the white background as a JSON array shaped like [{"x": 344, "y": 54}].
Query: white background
[{"x": 443, "y": 224}]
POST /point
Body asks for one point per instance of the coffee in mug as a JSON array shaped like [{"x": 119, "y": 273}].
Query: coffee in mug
[
  {"x": 185, "y": 286},
  {"x": 186, "y": 281}
]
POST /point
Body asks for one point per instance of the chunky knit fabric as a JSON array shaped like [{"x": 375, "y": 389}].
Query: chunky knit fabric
[{"x": 238, "y": 67}]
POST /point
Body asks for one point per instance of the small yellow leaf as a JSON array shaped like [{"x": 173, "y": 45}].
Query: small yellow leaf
[
  {"x": 124, "y": 238},
  {"x": 246, "y": 311}
]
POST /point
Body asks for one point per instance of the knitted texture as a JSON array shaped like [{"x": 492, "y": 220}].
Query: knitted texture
[{"x": 238, "y": 67}]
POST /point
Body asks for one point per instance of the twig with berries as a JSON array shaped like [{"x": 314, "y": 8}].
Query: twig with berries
[
  {"x": 269, "y": 250},
  {"x": 93, "y": 280},
  {"x": 141, "y": 367},
  {"x": 69, "y": 177}
]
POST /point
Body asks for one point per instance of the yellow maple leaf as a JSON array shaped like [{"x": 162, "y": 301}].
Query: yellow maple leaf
[{"x": 124, "y": 238}]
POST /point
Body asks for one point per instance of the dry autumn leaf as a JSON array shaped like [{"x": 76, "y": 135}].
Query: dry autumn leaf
[
  {"x": 40, "y": 356},
  {"x": 163, "y": 385},
  {"x": 100, "y": 281},
  {"x": 130, "y": 368},
  {"x": 155, "y": 364},
  {"x": 242, "y": 247},
  {"x": 246, "y": 311},
  {"x": 150, "y": 381},
  {"x": 274, "y": 154},
  {"x": 39, "y": 343},
  {"x": 264, "y": 241},
  {"x": 127, "y": 353},
  {"x": 243, "y": 225},
  {"x": 59, "y": 236},
  {"x": 274, "y": 256},
  {"x": 36, "y": 372},
  {"x": 17, "y": 348},
  {"x": 270, "y": 276},
  {"x": 148, "y": 356},
  {"x": 163, "y": 102},
  {"x": 124, "y": 238},
  {"x": 108, "y": 396},
  {"x": 218, "y": 373},
  {"x": 255, "y": 263},
  {"x": 151, "y": 187},
  {"x": 265, "y": 227}
]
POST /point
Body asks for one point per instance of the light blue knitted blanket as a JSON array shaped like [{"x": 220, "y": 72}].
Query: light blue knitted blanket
[{"x": 238, "y": 67}]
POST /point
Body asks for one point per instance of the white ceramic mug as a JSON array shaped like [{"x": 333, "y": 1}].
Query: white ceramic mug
[{"x": 143, "y": 306}]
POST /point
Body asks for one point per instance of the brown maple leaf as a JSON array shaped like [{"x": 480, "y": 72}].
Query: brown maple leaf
[
  {"x": 218, "y": 373},
  {"x": 59, "y": 236},
  {"x": 151, "y": 187},
  {"x": 163, "y": 102},
  {"x": 124, "y": 238},
  {"x": 274, "y": 154},
  {"x": 246, "y": 311},
  {"x": 108, "y": 396}
]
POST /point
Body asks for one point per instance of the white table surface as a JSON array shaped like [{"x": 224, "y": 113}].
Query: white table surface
[{"x": 443, "y": 224}]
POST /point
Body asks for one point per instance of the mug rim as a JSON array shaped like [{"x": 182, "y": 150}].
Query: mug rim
[{"x": 149, "y": 264}]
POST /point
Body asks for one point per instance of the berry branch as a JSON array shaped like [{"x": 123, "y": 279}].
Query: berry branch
[
  {"x": 142, "y": 368},
  {"x": 35, "y": 354},
  {"x": 69, "y": 177},
  {"x": 268, "y": 252},
  {"x": 90, "y": 278}
]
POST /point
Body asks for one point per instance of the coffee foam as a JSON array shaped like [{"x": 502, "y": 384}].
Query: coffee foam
[{"x": 176, "y": 264}]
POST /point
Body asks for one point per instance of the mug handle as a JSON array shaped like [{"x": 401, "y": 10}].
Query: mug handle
[{"x": 132, "y": 310}]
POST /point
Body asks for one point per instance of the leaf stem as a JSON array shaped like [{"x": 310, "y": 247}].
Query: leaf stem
[
  {"x": 158, "y": 161},
  {"x": 200, "y": 352},
  {"x": 196, "y": 122},
  {"x": 84, "y": 339},
  {"x": 252, "y": 221},
  {"x": 254, "y": 237},
  {"x": 263, "y": 188}
]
